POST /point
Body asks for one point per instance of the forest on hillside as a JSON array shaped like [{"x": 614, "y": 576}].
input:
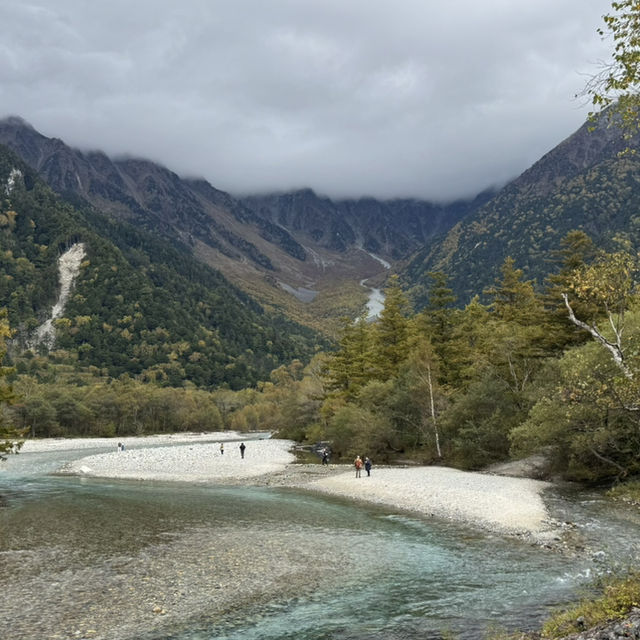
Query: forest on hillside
[
  {"x": 465, "y": 387},
  {"x": 140, "y": 306}
]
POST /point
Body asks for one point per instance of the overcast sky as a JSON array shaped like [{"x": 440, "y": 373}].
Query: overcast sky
[{"x": 350, "y": 97}]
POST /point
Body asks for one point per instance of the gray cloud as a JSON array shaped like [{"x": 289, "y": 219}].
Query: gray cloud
[{"x": 409, "y": 98}]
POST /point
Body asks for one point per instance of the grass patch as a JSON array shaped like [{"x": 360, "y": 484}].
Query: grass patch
[
  {"x": 618, "y": 597},
  {"x": 627, "y": 492}
]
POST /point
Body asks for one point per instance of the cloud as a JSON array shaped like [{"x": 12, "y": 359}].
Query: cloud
[{"x": 380, "y": 98}]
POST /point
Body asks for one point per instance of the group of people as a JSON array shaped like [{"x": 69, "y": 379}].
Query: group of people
[
  {"x": 358, "y": 463},
  {"x": 242, "y": 447}
]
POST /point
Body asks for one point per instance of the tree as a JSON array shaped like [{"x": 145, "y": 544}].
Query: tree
[
  {"x": 350, "y": 367},
  {"x": 515, "y": 299},
  {"x": 608, "y": 284},
  {"x": 580, "y": 419},
  {"x": 515, "y": 341},
  {"x": 477, "y": 425},
  {"x": 391, "y": 339},
  {"x": 420, "y": 398},
  {"x": 10, "y": 437},
  {"x": 436, "y": 321},
  {"x": 576, "y": 251},
  {"x": 615, "y": 87},
  {"x": 467, "y": 359}
]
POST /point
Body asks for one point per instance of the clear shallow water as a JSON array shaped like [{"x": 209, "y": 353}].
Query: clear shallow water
[
  {"x": 414, "y": 582},
  {"x": 386, "y": 575}
]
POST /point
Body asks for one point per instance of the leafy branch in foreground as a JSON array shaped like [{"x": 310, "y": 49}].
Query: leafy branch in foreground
[{"x": 615, "y": 88}]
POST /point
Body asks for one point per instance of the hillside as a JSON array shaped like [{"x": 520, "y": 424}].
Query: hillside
[
  {"x": 584, "y": 183},
  {"x": 140, "y": 305}
]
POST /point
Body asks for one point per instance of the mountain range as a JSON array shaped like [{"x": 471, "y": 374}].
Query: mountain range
[
  {"x": 269, "y": 274},
  {"x": 298, "y": 252}
]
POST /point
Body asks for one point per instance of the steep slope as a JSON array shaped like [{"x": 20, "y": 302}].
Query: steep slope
[
  {"x": 584, "y": 183},
  {"x": 139, "y": 305}
]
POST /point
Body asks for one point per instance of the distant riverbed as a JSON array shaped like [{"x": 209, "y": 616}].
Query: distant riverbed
[{"x": 375, "y": 303}]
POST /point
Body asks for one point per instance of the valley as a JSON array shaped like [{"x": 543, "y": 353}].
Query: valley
[{"x": 296, "y": 253}]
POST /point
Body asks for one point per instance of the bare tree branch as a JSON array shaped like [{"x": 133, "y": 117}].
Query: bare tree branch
[{"x": 615, "y": 348}]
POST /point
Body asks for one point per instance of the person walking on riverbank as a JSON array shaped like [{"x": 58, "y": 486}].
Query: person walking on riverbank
[
  {"x": 222, "y": 448},
  {"x": 367, "y": 466},
  {"x": 357, "y": 463},
  {"x": 242, "y": 448}
]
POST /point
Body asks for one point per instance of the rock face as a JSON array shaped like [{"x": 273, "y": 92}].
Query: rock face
[
  {"x": 392, "y": 228},
  {"x": 68, "y": 268}
]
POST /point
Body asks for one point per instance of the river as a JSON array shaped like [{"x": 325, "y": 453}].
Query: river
[
  {"x": 88, "y": 558},
  {"x": 375, "y": 301}
]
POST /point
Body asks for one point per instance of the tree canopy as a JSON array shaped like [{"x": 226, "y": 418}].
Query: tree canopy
[
  {"x": 10, "y": 436},
  {"x": 615, "y": 88}
]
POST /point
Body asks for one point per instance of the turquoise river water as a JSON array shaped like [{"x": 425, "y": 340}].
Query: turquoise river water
[{"x": 286, "y": 563}]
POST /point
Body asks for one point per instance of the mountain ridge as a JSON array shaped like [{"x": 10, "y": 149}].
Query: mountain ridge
[
  {"x": 267, "y": 245},
  {"x": 584, "y": 183},
  {"x": 139, "y": 305}
]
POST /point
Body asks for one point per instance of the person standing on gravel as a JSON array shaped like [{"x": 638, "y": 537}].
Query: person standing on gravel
[
  {"x": 242, "y": 448},
  {"x": 367, "y": 466},
  {"x": 222, "y": 448},
  {"x": 357, "y": 463}
]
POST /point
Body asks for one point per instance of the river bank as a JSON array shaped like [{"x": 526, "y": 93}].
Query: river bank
[
  {"x": 506, "y": 505},
  {"x": 196, "y": 538}
]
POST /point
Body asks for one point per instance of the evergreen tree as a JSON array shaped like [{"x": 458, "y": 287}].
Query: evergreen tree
[
  {"x": 513, "y": 299},
  {"x": 436, "y": 321},
  {"x": 391, "y": 332},
  {"x": 350, "y": 367},
  {"x": 576, "y": 251}
]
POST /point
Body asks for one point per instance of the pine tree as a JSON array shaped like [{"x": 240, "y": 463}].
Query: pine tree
[
  {"x": 350, "y": 367},
  {"x": 391, "y": 334},
  {"x": 576, "y": 251}
]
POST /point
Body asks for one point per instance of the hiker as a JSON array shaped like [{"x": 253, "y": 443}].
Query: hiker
[
  {"x": 222, "y": 448},
  {"x": 357, "y": 463},
  {"x": 242, "y": 448},
  {"x": 367, "y": 466},
  {"x": 325, "y": 457}
]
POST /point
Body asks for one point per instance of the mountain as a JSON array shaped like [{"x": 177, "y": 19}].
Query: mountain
[
  {"x": 392, "y": 229},
  {"x": 585, "y": 183},
  {"x": 140, "y": 305},
  {"x": 297, "y": 253}
]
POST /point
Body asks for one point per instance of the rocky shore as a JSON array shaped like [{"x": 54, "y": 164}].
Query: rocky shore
[
  {"x": 626, "y": 629},
  {"x": 507, "y": 505}
]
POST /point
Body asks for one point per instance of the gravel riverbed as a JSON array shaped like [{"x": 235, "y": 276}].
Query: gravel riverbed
[
  {"x": 205, "y": 569},
  {"x": 493, "y": 502}
]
